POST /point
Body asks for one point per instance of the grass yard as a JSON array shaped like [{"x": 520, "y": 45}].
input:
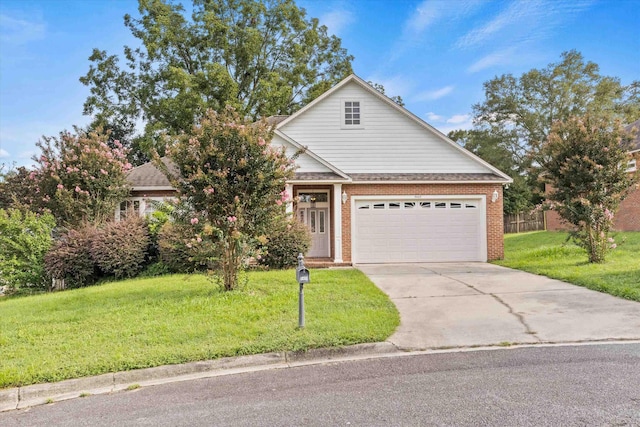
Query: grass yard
[
  {"x": 142, "y": 323},
  {"x": 547, "y": 253}
]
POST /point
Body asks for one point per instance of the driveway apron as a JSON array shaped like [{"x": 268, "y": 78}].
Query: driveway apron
[{"x": 445, "y": 305}]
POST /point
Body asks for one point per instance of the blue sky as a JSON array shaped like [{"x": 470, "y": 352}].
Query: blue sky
[{"x": 435, "y": 54}]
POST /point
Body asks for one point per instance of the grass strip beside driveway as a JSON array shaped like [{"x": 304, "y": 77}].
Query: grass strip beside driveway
[
  {"x": 142, "y": 323},
  {"x": 547, "y": 253}
]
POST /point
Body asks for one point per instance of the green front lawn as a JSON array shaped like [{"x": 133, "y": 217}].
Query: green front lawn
[
  {"x": 173, "y": 319},
  {"x": 547, "y": 253}
]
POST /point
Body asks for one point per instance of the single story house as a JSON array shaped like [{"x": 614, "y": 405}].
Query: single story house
[
  {"x": 377, "y": 184},
  {"x": 628, "y": 216}
]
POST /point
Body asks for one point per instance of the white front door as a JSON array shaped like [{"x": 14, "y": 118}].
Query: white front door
[{"x": 317, "y": 220}]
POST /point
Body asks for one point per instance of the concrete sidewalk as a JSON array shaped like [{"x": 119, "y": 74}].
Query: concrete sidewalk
[{"x": 478, "y": 304}]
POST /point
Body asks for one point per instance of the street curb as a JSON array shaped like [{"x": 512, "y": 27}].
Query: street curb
[{"x": 39, "y": 394}]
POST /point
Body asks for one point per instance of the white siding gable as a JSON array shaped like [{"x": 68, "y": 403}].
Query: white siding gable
[
  {"x": 387, "y": 141},
  {"x": 305, "y": 162}
]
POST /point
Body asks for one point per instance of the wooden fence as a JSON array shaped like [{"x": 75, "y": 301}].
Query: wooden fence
[{"x": 524, "y": 222}]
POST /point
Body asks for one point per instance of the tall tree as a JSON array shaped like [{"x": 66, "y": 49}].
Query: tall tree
[
  {"x": 586, "y": 162},
  {"x": 263, "y": 57},
  {"x": 524, "y": 109},
  {"x": 496, "y": 149}
]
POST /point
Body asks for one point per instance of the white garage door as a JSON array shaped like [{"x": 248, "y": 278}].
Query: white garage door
[{"x": 419, "y": 230}]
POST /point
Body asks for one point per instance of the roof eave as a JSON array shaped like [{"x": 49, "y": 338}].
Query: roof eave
[
  {"x": 153, "y": 188},
  {"x": 496, "y": 181}
]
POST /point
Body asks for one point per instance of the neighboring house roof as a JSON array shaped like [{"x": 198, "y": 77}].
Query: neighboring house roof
[
  {"x": 634, "y": 128},
  {"x": 149, "y": 177},
  {"x": 274, "y": 120}
]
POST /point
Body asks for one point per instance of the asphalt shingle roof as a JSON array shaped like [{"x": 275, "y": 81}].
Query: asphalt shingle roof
[{"x": 148, "y": 175}]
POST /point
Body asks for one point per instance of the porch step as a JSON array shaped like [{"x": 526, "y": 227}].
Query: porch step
[{"x": 324, "y": 263}]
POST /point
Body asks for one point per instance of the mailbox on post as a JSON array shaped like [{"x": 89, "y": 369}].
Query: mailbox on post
[{"x": 302, "y": 277}]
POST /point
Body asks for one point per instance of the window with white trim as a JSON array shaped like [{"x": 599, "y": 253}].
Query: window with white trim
[
  {"x": 632, "y": 166},
  {"x": 129, "y": 207},
  {"x": 352, "y": 114}
]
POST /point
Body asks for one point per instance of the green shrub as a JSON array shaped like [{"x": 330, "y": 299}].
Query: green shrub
[
  {"x": 25, "y": 238},
  {"x": 162, "y": 213},
  {"x": 284, "y": 244},
  {"x": 70, "y": 258},
  {"x": 156, "y": 269},
  {"x": 120, "y": 248},
  {"x": 180, "y": 250}
]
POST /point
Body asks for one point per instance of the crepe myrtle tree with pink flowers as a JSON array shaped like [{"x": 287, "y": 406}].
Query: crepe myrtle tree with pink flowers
[
  {"x": 234, "y": 179},
  {"x": 585, "y": 160},
  {"x": 80, "y": 178}
]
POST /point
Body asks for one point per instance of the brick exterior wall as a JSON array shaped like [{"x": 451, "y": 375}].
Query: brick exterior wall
[
  {"x": 627, "y": 218},
  {"x": 495, "y": 243}
]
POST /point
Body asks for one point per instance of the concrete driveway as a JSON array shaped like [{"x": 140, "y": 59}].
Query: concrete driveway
[{"x": 475, "y": 304}]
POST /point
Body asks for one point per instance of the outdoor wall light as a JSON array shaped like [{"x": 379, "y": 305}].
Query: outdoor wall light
[
  {"x": 344, "y": 197},
  {"x": 495, "y": 196}
]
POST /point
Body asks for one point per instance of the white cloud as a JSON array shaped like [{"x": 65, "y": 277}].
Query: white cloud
[
  {"x": 454, "y": 122},
  {"x": 510, "y": 16},
  {"x": 4, "y": 153},
  {"x": 20, "y": 31},
  {"x": 429, "y": 12},
  {"x": 447, "y": 124},
  {"x": 459, "y": 118},
  {"x": 523, "y": 21},
  {"x": 500, "y": 57},
  {"x": 424, "y": 15},
  {"x": 433, "y": 117},
  {"x": 337, "y": 20},
  {"x": 515, "y": 32},
  {"x": 434, "y": 94}
]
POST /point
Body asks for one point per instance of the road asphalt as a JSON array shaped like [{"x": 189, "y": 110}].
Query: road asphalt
[{"x": 443, "y": 308}]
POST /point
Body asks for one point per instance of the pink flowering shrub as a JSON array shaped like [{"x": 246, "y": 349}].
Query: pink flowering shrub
[
  {"x": 233, "y": 178},
  {"x": 80, "y": 177},
  {"x": 586, "y": 160}
]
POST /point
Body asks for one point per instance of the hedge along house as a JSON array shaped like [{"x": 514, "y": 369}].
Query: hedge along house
[{"x": 377, "y": 184}]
